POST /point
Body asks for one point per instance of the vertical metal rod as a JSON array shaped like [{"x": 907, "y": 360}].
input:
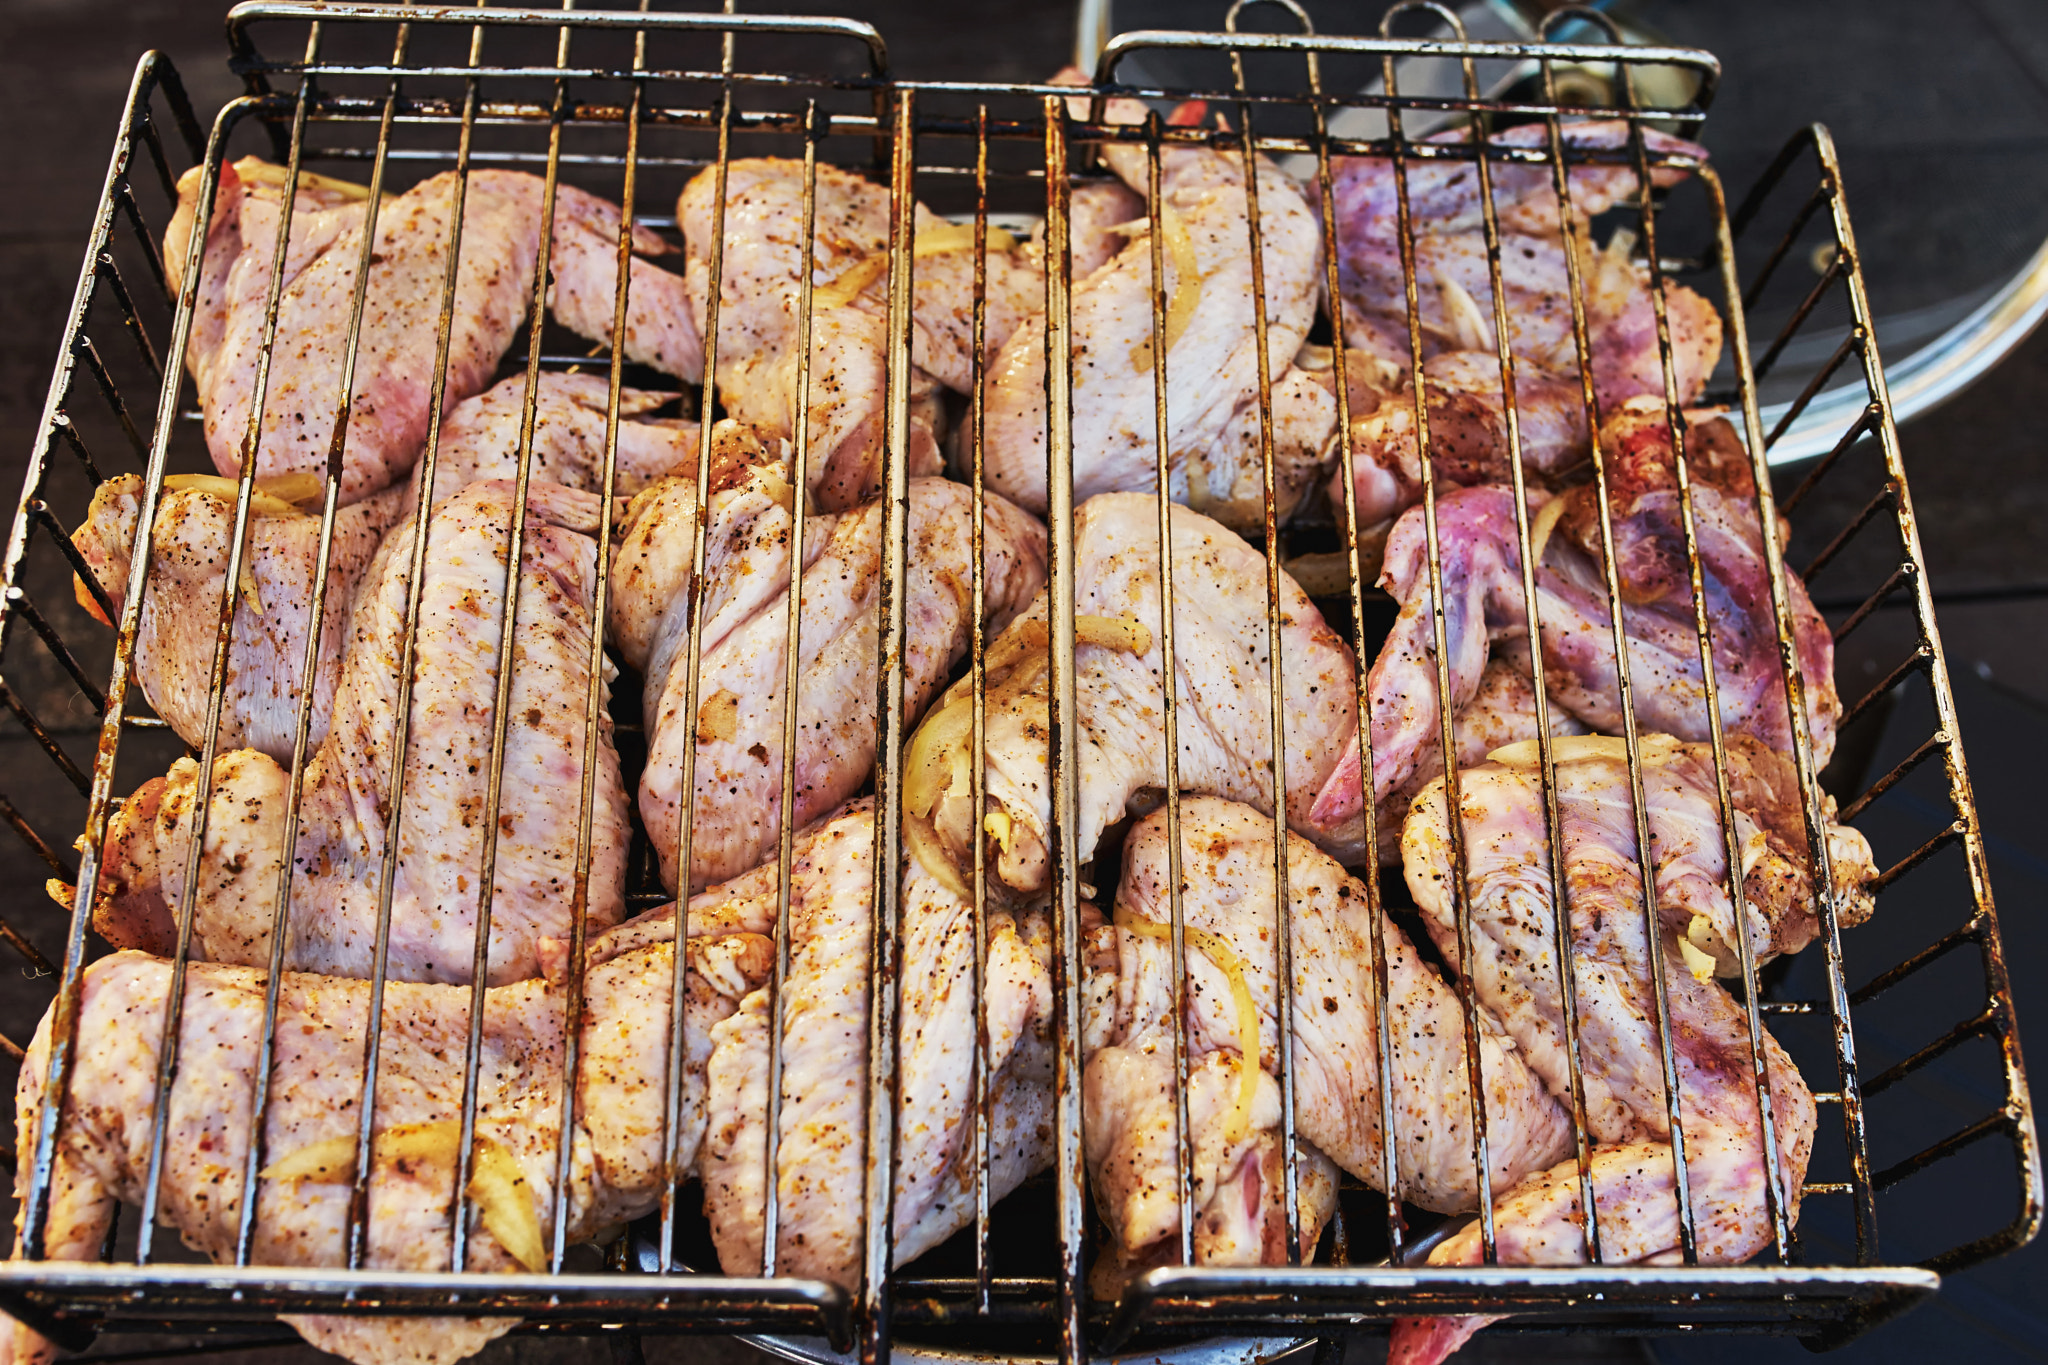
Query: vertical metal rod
[
  {"x": 885, "y": 985},
  {"x": 1384, "y": 1056},
  {"x": 693, "y": 660},
  {"x": 1183, "y": 1126},
  {"x": 1645, "y": 854},
  {"x": 594, "y": 715},
  {"x": 792, "y": 667},
  {"x": 501, "y": 702},
  {"x": 1276, "y": 713},
  {"x": 984, "y": 1099},
  {"x": 1062, "y": 769},
  {"x": 1553, "y": 821},
  {"x": 1855, "y": 1135},
  {"x": 1675, "y": 427},
  {"x": 1446, "y": 732}
]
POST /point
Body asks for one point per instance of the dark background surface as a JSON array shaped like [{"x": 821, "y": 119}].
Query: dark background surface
[{"x": 1916, "y": 109}]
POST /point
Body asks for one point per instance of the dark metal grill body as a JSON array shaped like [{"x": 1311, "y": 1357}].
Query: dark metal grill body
[{"x": 630, "y": 105}]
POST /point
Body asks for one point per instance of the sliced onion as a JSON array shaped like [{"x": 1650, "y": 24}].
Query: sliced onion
[
  {"x": 496, "y": 1182},
  {"x": 1187, "y": 274},
  {"x": 1126, "y": 633},
  {"x": 929, "y": 766},
  {"x": 1539, "y": 530},
  {"x": 850, "y": 283},
  {"x": 276, "y": 497},
  {"x": 926, "y": 850},
  {"x": 940, "y": 238}
]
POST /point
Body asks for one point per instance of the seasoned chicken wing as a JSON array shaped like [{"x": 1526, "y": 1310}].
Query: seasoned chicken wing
[
  {"x": 502, "y": 217},
  {"x": 175, "y": 644},
  {"x": 1482, "y": 580},
  {"x": 1454, "y": 291},
  {"x": 1212, "y": 369},
  {"x": 195, "y": 525},
  {"x": 339, "y": 847},
  {"x": 310, "y": 1125},
  {"x": 1516, "y": 972},
  {"x": 821, "y": 1156},
  {"x": 1228, "y": 903},
  {"x": 1222, "y": 675},
  {"x": 759, "y": 254},
  {"x": 737, "y": 729}
]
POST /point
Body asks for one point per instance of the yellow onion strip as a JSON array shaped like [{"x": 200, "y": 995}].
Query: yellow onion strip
[
  {"x": 1187, "y": 274},
  {"x": 268, "y": 173},
  {"x": 276, "y": 497},
  {"x": 496, "y": 1182},
  {"x": 1545, "y": 522},
  {"x": 936, "y": 240},
  {"x": 282, "y": 496},
  {"x": 1218, "y": 950}
]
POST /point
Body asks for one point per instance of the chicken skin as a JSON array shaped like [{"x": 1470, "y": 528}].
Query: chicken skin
[
  {"x": 1461, "y": 378},
  {"x": 339, "y": 847},
  {"x": 195, "y": 525},
  {"x": 1502, "y": 712},
  {"x": 761, "y": 271},
  {"x": 1515, "y": 972},
  {"x": 737, "y": 730},
  {"x": 273, "y": 610},
  {"x": 1483, "y": 603},
  {"x": 1222, "y": 675},
  {"x": 1212, "y": 369},
  {"x": 616, "y": 1165},
  {"x": 1228, "y": 899},
  {"x": 502, "y": 218},
  {"x": 821, "y": 1156},
  {"x": 480, "y": 437}
]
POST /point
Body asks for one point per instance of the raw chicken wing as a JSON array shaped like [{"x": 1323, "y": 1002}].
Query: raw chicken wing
[
  {"x": 1515, "y": 971},
  {"x": 737, "y": 729},
  {"x": 1483, "y": 603},
  {"x": 340, "y": 846},
  {"x": 1224, "y": 702},
  {"x": 1228, "y": 898},
  {"x": 616, "y": 1166},
  {"x": 175, "y": 644},
  {"x": 502, "y": 217}
]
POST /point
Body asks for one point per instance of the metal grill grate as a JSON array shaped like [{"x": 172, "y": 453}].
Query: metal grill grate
[{"x": 632, "y": 104}]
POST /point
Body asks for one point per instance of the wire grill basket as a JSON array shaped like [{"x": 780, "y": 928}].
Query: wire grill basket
[{"x": 631, "y": 105}]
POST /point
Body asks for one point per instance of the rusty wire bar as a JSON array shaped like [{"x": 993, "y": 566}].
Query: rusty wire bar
[
  {"x": 1183, "y": 1131},
  {"x": 594, "y": 717},
  {"x": 687, "y": 784},
  {"x": 977, "y": 667},
  {"x": 501, "y": 704},
  {"x": 771, "y": 1156},
  {"x": 1454, "y": 828},
  {"x": 1063, "y": 774},
  {"x": 885, "y": 980}
]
